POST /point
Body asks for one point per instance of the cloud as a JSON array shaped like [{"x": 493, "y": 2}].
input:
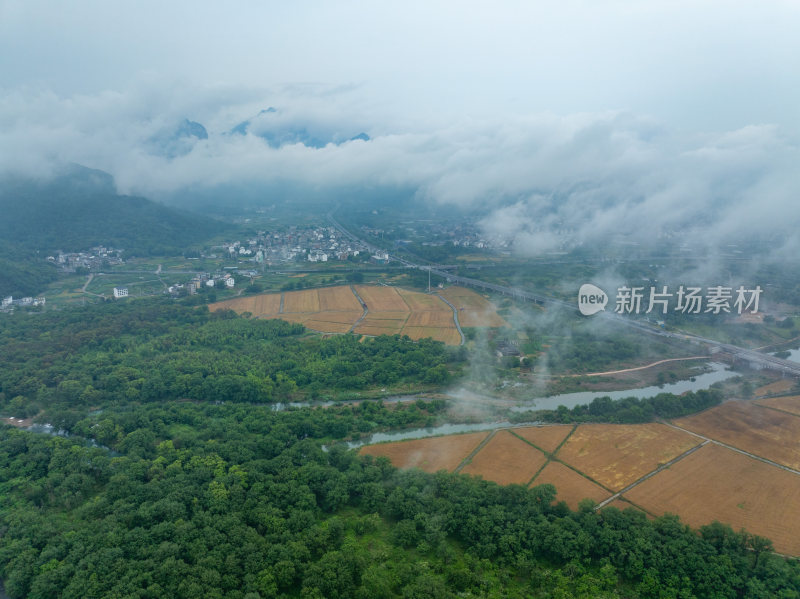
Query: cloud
[{"x": 543, "y": 181}]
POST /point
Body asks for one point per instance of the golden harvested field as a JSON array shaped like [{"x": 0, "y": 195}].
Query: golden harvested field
[
  {"x": 546, "y": 437},
  {"x": 445, "y": 335},
  {"x": 337, "y": 317},
  {"x": 326, "y": 326},
  {"x": 622, "y": 505},
  {"x": 338, "y": 299},
  {"x": 431, "y": 454},
  {"x": 391, "y": 310},
  {"x": 418, "y": 302},
  {"x": 474, "y": 310},
  {"x": 781, "y": 386},
  {"x": 293, "y": 317},
  {"x": 505, "y": 460},
  {"x": 751, "y": 427},
  {"x": 616, "y": 455},
  {"x": 432, "y": 318},
  {"x": 370, "y": 329},
  {"x": 787, "y": 404},
  {"x": 306, "y": 300},
  {"x": 382, "y": 299},
  {"x": 461, "y": 297},
  {"x": 570, "y": 486},
  {"x": 374, "y": 315},
  {"x": 257, "y": 305},
  {"x": 715, "y": 483}
]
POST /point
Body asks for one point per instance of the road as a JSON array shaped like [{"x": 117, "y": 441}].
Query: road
[{"x": 752, "y": 357}]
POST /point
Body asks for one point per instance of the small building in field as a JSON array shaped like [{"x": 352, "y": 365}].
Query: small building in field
[
  {"x": 507, "y": 348},
  {"x": 120, "y": 292}
]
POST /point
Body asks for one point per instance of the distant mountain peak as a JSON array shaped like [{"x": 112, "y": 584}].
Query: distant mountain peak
[
  {"x": 191, "y": 129},
  {"x": 276, "y": 132}
]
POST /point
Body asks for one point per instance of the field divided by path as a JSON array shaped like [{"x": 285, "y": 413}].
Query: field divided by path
[
  {"x": 389, "y": 311},
  {"x": 570, "y": 486},
  {"x": 702, "y": 477},
  {"x": 715, "y": 483},
  {"x": 616, "y": 455},
  {"x": 754, "y": 428},
  {"x": 785, "y": 404},
  {"x": 474, "y": 310},
  {"x": 506, "y": 459}
]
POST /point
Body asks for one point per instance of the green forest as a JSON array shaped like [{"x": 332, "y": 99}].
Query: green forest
[{"x": 179, "y": 477}]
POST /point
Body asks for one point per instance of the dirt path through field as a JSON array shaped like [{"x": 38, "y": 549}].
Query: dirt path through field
[
  {"x": 363, "y": 305},
  {"x": 651, "y": 474},
  {"x": 732, "y": 448},
  {"x": 472, "y": 454}
]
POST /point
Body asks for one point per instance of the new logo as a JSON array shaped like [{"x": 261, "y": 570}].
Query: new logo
[{"x": 591, "y": 299}]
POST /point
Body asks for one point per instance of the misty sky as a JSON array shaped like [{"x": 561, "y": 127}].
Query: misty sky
[
  {"x": 541, "y": 111},
  {"x": 694, "y": 64}
]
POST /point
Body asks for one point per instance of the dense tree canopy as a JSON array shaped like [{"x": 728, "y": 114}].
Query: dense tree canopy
[
  {"x": 181, "y": 479},
  {"x": 157, "y": 350}
]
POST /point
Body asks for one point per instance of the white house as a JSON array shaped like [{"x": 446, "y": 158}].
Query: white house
[
  {"x": 120, "y": 292},
  {"x": 229, "y": 282}
]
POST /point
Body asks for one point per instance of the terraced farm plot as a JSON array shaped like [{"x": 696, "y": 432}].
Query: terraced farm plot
[
  {"x": 331, "y": 322},
  {"x": 570, "y": 486},
  {"x": 506, "y": 459},
  {"x": 787, "y": 404},
  {"x": 449, "y": 336},
  {"x": 746, "y": 425},
  {"x": 461, "y": 297},
  {"x": 379, "y": 326},
  {"x": 338, "y": 299},
  {"x": 336, "y": 310},
  {"x": 715, "y": 483},
  {"x": 432, "y": 318},
  {"x": 546, "y": 437},
  {"x": 306, "y": 300},
  {"x": 298, "y": 317},
  {"x": 474, "y": 310},
  {"x": 616, "y": 455},
  {"x": 258, "y": 305},
  {"x": 431, "y": 454},
  {"x": 382, "y": 299},
  {"x": 420, "y": 302}
]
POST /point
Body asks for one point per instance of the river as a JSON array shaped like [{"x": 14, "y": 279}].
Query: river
[{"x": 702, "y": 381}]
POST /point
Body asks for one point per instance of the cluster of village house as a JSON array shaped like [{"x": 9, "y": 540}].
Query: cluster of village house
[
  {"x": 95, "y": 259},
  {"x": 192, "y": 286},
  {"x": 439, "y": 233},
  {"x": 9, "y": 302},
  {"x": 314, "y": 244}
]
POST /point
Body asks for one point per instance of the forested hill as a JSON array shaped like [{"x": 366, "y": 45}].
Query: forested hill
[
  {"x": 77, "y": 210},
  {"x": 81, "y": 209}
]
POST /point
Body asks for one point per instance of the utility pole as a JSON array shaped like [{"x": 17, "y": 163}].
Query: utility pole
[{"x": 429, "y": 279}]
